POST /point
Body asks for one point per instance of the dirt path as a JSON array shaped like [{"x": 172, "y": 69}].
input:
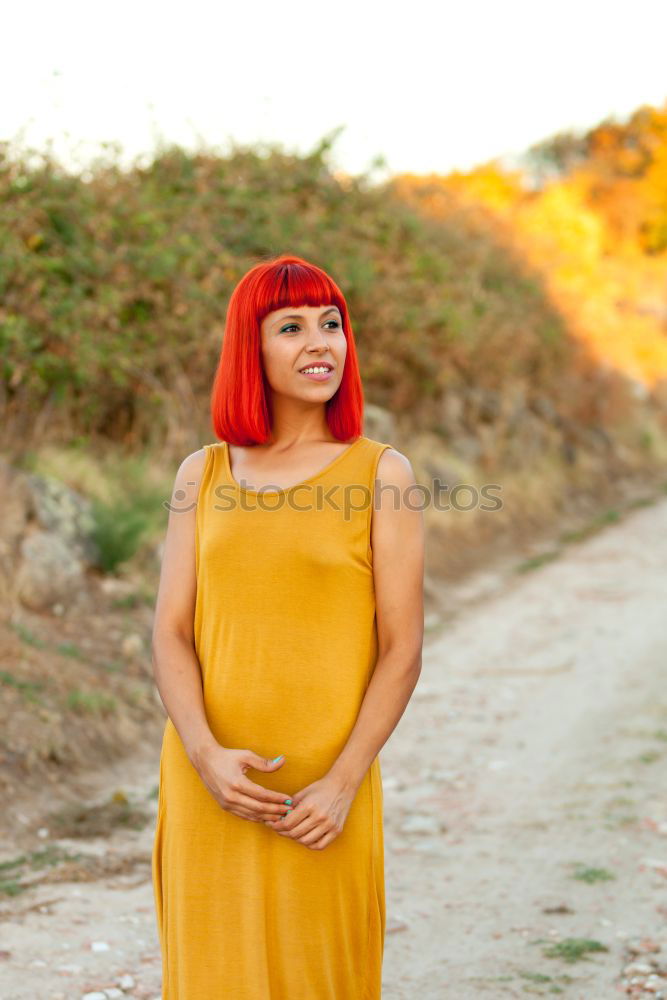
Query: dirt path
[{"x": 525, "y": 805}]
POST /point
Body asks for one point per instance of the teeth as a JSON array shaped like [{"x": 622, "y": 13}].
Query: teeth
[{"x": 315, "y": 370}]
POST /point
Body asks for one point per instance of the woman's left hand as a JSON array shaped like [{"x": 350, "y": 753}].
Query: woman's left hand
[{"x": 318, "y": 813}]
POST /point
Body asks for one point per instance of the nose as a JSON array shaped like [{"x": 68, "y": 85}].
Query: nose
[{"x": 317, "y": 344}]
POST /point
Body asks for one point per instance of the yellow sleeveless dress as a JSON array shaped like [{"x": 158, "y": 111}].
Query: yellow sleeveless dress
[{"x": 286, "y": 636}]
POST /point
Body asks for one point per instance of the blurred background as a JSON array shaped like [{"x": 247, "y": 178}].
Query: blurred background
[{"x": 488, "y": 186}]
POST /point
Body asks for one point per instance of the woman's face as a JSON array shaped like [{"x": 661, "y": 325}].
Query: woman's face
[{"x": 301, "y": 337}]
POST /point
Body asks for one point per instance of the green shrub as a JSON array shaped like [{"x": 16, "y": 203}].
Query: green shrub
[{"x": 119, "y": 529}]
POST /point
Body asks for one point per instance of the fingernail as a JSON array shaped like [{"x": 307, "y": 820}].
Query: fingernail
[
  {"x": 277, "y": 758},
  {"x": 288, "y": 802}
]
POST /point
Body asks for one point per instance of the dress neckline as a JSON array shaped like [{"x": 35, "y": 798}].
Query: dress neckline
[{"x": 288, "y": 489}]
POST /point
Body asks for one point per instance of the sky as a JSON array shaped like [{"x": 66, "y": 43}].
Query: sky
[{"x": 426, "y": 87}]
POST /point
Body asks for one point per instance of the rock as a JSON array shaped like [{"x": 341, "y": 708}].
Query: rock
[
  {"x": 49, "y": 572},
  {"x": 451, "y": 411},
  {"x": 437, "y": 466},
  {"x": 653, "y": 984},
  {"x": 429, "y": 845},
  {"x": 126, "y": 981},
  {"x": 529, "y": 440},
  {"x": 468, "y": 447},
  {"x": 543, "y": 406},
  {"x": 379, "y": 423},
  {"x": 390, "y": 782},
  {"x": 638, "y": 969},
  {"x": 513, "y": 404},
  {"x": 643, "y": 946},
  {"x": 66, "y": 513},
  {"x": 395, "y": 923},
  {"x": 115, "y": 587},
  {"x": 421, "y": 790},
  {"x": 132, "y": 645},
  {"x": 421, "y": 823},
  {"x": 488, "y": 403},
  {"x": 46, "y": 541},
  {"x": 424, "y": 690}
]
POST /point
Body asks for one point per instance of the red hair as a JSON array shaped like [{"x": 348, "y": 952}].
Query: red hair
[{"x": 240, "y": 401}]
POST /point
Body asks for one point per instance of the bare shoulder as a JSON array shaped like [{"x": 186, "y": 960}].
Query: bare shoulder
[
  {"x": 176, "y": 595},
  {"x": 189, "y": 476},
  {"x": 397, "y": 522},
  {"x": 193, "y": 464},
  {"x": 395, "y": 469}
]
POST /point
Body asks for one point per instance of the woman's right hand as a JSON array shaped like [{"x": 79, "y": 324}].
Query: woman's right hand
[{"x": 223, "y": 772}]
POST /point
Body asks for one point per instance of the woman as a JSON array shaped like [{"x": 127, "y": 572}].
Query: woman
[{"x": 286, "y": 645}]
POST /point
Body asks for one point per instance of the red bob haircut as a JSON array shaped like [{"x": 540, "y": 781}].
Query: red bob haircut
[{"x": 240, "y": 398}]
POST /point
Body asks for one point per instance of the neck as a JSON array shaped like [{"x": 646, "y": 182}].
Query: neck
[{"x": 295, "y": 421}]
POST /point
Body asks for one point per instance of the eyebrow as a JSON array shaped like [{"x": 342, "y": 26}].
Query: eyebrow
[{"x": 297, "y": 316}]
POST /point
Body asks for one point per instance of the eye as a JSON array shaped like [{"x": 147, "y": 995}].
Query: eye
[{"x": 294, "y": 326}]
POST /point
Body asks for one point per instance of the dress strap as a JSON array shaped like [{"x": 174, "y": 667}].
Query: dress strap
[{"x": 375, "y": 450}]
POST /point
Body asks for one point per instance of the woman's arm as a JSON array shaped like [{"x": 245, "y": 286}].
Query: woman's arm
[
  {"x": 178, "y": 672},
  {"x": 175, "y": 664},
  {"x": 397, "y": 540}
]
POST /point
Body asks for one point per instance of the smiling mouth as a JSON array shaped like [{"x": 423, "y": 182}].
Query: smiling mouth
[{"x": 324, "y": 364}]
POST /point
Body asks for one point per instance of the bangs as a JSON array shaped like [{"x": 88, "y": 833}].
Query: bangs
[{"x": 296, "y": 284}]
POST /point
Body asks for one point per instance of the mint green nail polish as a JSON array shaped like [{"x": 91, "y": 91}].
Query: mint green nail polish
[
  {"x": 277, "y": 758},
  {"x": 288, "y": 802}
]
